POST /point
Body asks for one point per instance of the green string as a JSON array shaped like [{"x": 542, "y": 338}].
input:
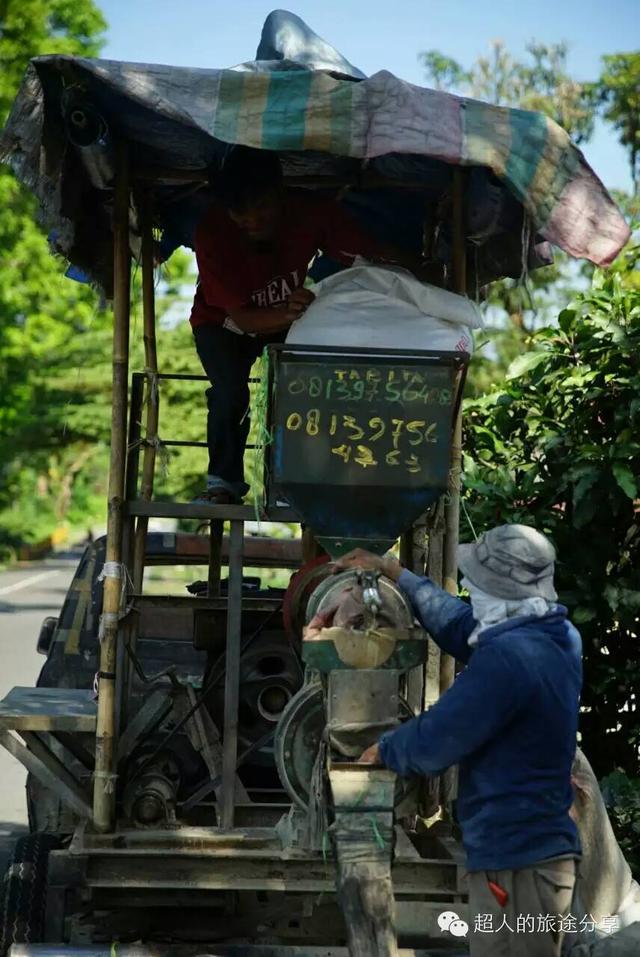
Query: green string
[
  {"x": 113, "y": 951},
  {"x": 325, "y": 847},
  {"x": 376, "y": 833},
  {"x": 263, "y": 438}
]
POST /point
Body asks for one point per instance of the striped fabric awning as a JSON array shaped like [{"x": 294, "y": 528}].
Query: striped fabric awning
[{"x": 179, "y": 118}]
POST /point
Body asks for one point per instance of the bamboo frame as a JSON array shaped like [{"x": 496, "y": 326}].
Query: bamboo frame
[
  {"x": 449, "y": 780},
  {"x": 104, "y": 790},
  {"x": 452, "y": 504},
  {"x": 444, "y": 548},
  {"x": 153, "y": 402}
]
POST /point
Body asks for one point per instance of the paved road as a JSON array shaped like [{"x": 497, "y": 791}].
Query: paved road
[{"x": 27, "y": 595}]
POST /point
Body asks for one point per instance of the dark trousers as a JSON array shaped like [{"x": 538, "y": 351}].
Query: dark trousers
[{"x": 227, "y": 359}]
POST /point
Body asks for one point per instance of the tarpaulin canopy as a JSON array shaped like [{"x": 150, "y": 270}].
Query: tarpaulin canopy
[{"x": 526, "y": 172}]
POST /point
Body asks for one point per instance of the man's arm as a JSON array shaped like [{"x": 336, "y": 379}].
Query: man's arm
[
  {"x": 448, "y": 620},
  {"x": 221, "y": 295},
  {"x": 274, "y": 319},
  {"x": 482, "y": 700}
]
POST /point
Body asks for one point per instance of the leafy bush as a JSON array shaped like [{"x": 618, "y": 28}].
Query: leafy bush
[
  {"x": 558, "y": 446},
  {"x": 622, "y": 797}
]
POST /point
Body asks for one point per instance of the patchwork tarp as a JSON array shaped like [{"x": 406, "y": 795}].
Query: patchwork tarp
[{"x": 183, "y": 119}]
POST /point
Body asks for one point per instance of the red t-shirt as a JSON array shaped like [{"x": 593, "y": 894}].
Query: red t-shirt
[{"x": 234, "y": 274}]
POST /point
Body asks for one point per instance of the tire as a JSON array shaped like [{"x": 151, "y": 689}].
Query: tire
[{"x": 25, "y": 891}]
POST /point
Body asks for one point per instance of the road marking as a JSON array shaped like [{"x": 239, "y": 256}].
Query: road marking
[{"x": 25, "y": 582}]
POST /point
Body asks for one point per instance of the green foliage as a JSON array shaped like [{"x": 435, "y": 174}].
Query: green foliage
[
  {"x": 46, "y": 322},
  {"x": 30, "y": 28},
  {"x": 558, "y": 446},
  {"x": 617, "y": 93},
  {"x": 622, "y": 798},
  {"x": 443, "y": 72},
  {"x": 538, "y": 82}
]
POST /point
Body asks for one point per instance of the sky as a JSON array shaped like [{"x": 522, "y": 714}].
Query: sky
[{"x": 386, "y": 34}]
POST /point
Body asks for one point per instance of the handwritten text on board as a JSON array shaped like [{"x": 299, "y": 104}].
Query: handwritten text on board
[{"x": 375, "y": 421}]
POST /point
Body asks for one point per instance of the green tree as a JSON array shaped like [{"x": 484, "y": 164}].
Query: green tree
[
  {"x": 55, "y": 334},
  {"x": 30, "y": 28},
  {"x": 444, "y": 72},
  {"x": 617, "y": 93},
  {"x": 540, "y": 82},
  {"x": 41, "y": 313},
  {"x": 558, "y": 446}
]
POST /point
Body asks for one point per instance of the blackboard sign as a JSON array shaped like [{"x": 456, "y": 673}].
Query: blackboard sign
[{"x": 362, "y": 421}]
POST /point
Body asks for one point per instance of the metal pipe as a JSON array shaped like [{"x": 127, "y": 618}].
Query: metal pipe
[
  {"x": 104, "y": 789},
  {"x": 215, "y": 558},
  {"x": 232, "y": 674}
]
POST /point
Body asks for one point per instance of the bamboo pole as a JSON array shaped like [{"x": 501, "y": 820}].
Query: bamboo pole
[
  {"x": 153, "y": 401},
  {"x": 448, "y": 781},
  {"x": 104, "y": 781},
  {"x": 452, "y": 507}
]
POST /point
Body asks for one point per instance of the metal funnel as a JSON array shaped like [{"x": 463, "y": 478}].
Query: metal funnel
[{"x": 361, "y": 439}]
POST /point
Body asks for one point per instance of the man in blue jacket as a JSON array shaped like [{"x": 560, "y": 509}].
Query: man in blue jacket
[{"x": 509, "y": 721}]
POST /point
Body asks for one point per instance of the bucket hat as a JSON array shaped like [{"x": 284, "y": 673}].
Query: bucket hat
[{"x": 510, "y": 562}]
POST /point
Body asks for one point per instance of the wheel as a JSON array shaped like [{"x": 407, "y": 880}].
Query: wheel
[{"x": 25, "y": 890}]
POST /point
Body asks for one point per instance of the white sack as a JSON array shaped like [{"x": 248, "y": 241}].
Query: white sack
[{"x": 383, "y": 307}]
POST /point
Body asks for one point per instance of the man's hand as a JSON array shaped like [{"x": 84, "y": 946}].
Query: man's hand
[
  {"x": 359, "y": 558},
  {"x": 297, "y": 303},
  {"x": 371, "y": 755},
  {"x": 266, "y": 322}
]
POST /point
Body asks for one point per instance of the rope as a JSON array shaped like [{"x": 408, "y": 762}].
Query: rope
[
  {"x": 162, "y": 452},
  {"x": 108, "y": 619},
  {"x": 108, "y": 778},
  {"x": 263, "y": 437},
  {"x": 111, "y": 570},
  {"x": 376, "y": 833},
  {"x": 118, "y": 571},
  {"x": 154, "y": 392},
  {"x": 468, "y": 518}
]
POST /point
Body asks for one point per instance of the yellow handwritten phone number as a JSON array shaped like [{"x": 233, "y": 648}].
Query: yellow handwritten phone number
[
  {"x": 415, "y": 432},
  {"x": 367, "y": 385}
]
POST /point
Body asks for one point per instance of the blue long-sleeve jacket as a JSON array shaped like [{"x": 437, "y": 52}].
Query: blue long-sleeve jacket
[{"x": 509, "y": 721}]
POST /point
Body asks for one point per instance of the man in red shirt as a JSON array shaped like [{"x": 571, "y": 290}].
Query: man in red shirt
[{"x": 254, "y": 247}]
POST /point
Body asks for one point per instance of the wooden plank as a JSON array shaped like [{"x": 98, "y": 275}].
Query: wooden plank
[
  {"x": 207, "y": 742},
  {"x": 158, "y": 869},
  {"x": 215, "y": 558},
  {"x": 183, "y": 602},
  {"x": 49, "y": 770},
  {"x": 156, "y": 706},
  {"x": 48, "y": 709},
  {"x": 245, "y": 513},
  {"x": 160, "y": 949}
]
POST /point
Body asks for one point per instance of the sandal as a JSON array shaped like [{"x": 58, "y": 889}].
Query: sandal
[{"x": 216, "y": 496}]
